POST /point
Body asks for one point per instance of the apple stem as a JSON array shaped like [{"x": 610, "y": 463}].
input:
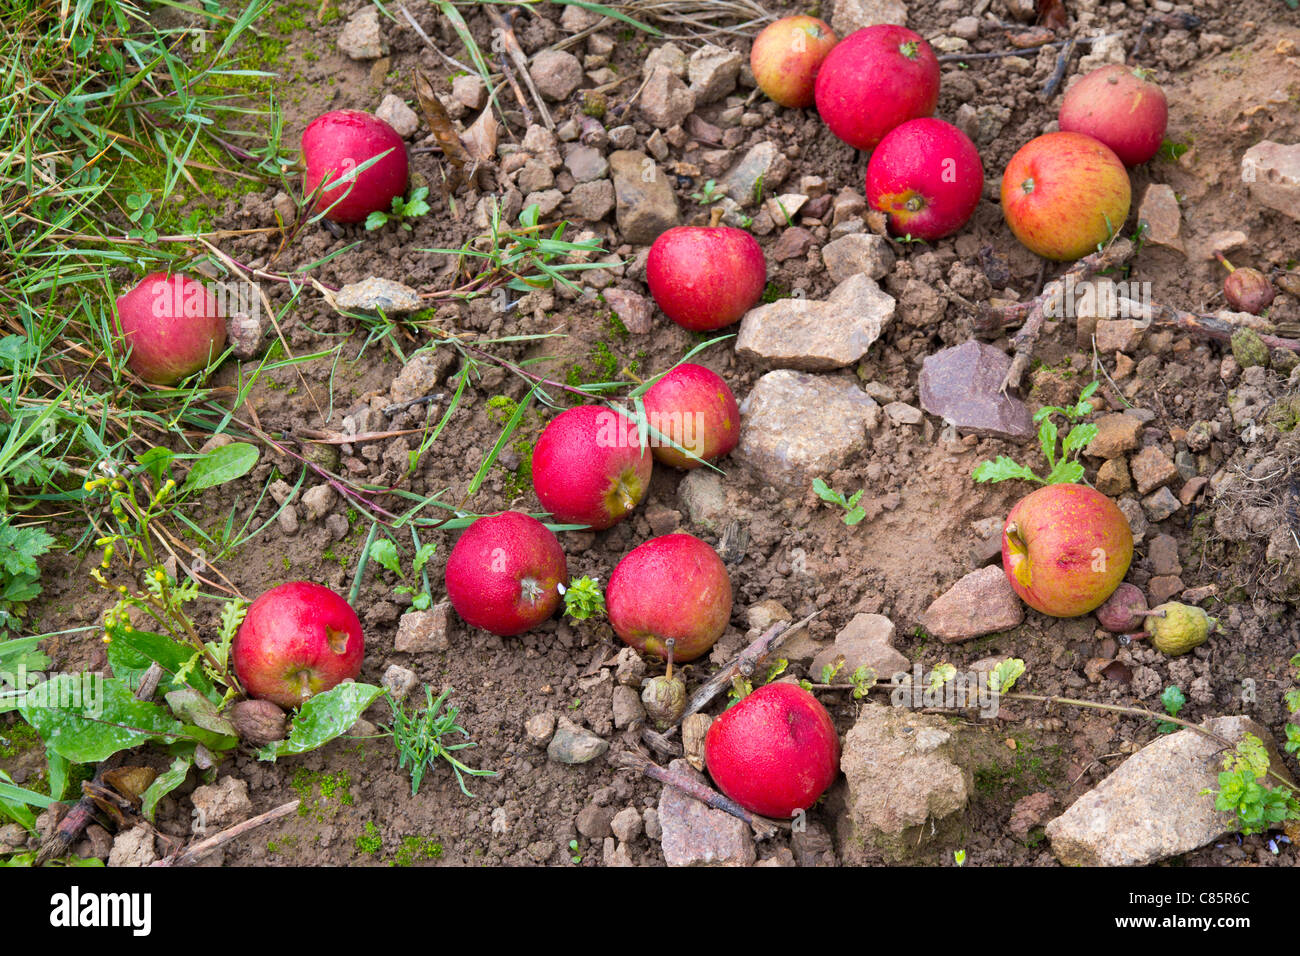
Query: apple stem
[
  {"x": 1225, "y": 263},
  {"x": 670, "y": 644},
  {"x": 1135, "y": 636},
  {"x": 715, "y": 216}
]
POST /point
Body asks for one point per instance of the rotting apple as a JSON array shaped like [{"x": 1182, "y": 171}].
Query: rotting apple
[
  {"x": 503, "y": 573},
  {"x": 589, "y": 466},
  {"x": 340, "y": 141},
  {"x": 775, "y": 752},
  {"x": 786, "y": 56},
  {"x": 1246, "y": 289},
  {"x": 172, "y": 325},
  {"x": 671, "y": 587},
  {"x": 297, "y": 640},
  {"x": 1065, "y": 549},
  {"x": 873, "y": 80},
  {"x": 1065, "y": 193},
  {"x": 1121, "y": 107},
  {"x": 926, "y": 176},
  {"x": 694, "y": 407},
  {"x": 705, "y": 277}
]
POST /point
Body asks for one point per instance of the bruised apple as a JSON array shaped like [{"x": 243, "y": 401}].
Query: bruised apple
[
  {"x": 1122, "y": 108},
  {"x": 926, "y": 177}
]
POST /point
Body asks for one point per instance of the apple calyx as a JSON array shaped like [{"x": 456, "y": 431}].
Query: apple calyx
[
  {"x": 303, "y": 680},
  {"x": 531, "y": 590},
  {"x": 914, "y": 204},
  {"x": 623, "y": 493},
  {"x": 908, "y": 49},
  {"x": 1028, "y": 185}
]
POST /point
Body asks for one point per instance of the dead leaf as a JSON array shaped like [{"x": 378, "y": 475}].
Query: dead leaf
[
  {"x": 1028, "y": 39},
  {"x": 480, "y": 139},
  {"x": 130, "y": 782},
  {"x": 435, "y": 114},
  {"x": 1118, "y": 671},
  {"x": 1051, "y": 14}
]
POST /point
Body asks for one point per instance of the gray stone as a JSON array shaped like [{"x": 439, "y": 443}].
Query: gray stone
[
  {"x": 622, "y": 137},
  {"x": 585, "y": 163},
  {"x": 593, "y": 822},
  {"x": 713, "y": 72},
  {"x": 695, "y": 834},
  {"x": 868, "y": 639},
  {"x": 815, "y": 336},
  {"x": 534, "y": 176},
  {"x": 1272, "y": 174},
  {"x": 317, "y": 501},
  {"x": 1152, "y": 806},
  {"x": 360, "y": 38},
  {"x": 1161, "y": 505},
  {"x": 424, "y": 632},
  {"x": 627, "y": 707},
  {"x": 591, "y": 201},
  {"x": 469, "y": 91},
  {"x": 1137, "y": 521},
  {"x": 982, "y": 602},
  {"x": 763, "y": 161},
  {"x": 901, "y": 774},
  {"x": 962, "y": 385},
  {"x": 796, "y": 426},
  {"x": 573, "y": 744},
  {"x": 665, "y": 100},
  {"x": 539, "y": 728},
  {"x": 373, "y": 294},
  {"x": 850, "y": 15},
  {"x": 134, "y": 847},
  {"x": 646, "y": 205},
  {"x": 858, "y": 253},
  {"x": 627, "y": 825},
  {"x": 399, "y": 681},
  {"x": 669, "y": 56},
  {"x": 287, "y": 520},
  {"x": 556, "y": 74},
  {"x": 900, "y": 413},
  {"x": 704, "y": 499},
  {"x": 420, "y": 375},
  {"x": 394, "y": 111},
  {"x": 220, "y": 805},
  {"x": 634, "y": 310}
]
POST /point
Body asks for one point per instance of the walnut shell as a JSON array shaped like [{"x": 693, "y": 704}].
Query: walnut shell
[{"x": 258, "y": 722}]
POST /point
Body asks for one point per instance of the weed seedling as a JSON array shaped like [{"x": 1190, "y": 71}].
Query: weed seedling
[
  {"x": 419, "y": 738},
  {"x": 1173, "y": 700},
  {"x": 708, "y": 193},
  {"x": 1064, "y": 469},
  {"x": 384, "y": 553},
  {"x": 583, "y": 599},
  {"x": 853, "y": 512},
  {"x": 402, "y": 211}
]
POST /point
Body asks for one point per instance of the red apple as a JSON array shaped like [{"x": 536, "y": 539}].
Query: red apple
[
  {"x": 1063, "y": 193},
  {"x": 694, "y": 407},
  {"x": 297, "y": 640},
  {"x": 674, "y": 586},
  {"x": 926, "y": 176},
  {"x": 873, "y": 80},
  {"x": 786, "y": 56},
  {"x": 1065, "y": 549},
  {"x": 173, "y": 326},
  {"x": 775, "y": 752},
  {"x": 342, "y": 140},
  {"x": 1119, "y": 106},
  {"x": 705, "y": 277},
  {"x": 589, "y": 466},
  {"x": 503, "y": 572}
]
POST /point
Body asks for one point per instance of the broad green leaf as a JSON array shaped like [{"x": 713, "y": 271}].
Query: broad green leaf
[
  {"x": 164, "y": 784},
  {"x": 191, "y": 707},
  {"x": 1078, "y": 438},
  {"x": 130, "y": 652},
  {"x": 90, "y": 730},
  {"x": 322, "y": 718},
  {"x": 1065, "y": 473},
  {"x": 16, "y": 801},
  {"x": 422, "y": 557},
  {"x": 222, "y": 465},
  {"x": 1003, "y": 677},
  {"x": 156, "y": 461},
  {"x": 58, "y": 773},
  {"x": 384, "y": 553},
  {"x": 1002, "y": 468},
  {"x": 1047, "y": 440}
]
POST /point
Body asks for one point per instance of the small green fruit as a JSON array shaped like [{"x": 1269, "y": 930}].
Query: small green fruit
[{"x": 1180, "y": 628}]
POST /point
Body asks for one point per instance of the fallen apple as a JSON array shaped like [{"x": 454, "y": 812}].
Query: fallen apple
[
  {"x": 775, "y": 752},
  {"x": 786, "y": 56},
  {"x": 1246, "y": 289},
  {"x": 873, "y": 80},
  {"x": 705, "y": 277},
  {"x": 695, "y": 408},
  {"x": 1065, "y": 549},
  {"x": 1063, "y": 194},
  {"x": 1121, "y": 107},
  {"x": 589, "y": 466},
  {"x": 297, "y": 640},
  {"x": 1124, "y": 610},
  {"x": 926, "y": 176},
  {"x": 671, "y": 587},
  {"x": 172, "y": 325},
  {"x": 502, "y": 574},
  {"x": 340, "y": 141}
]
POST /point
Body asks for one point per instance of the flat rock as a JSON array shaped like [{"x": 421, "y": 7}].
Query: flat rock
[
  {"x": 1152, "y": 469},
  {"x": 1116, "y": 435},
  {"x": 794, "y": 243},
  {"x": 665, "y": 100},
  {"x": 394, "y": 111},
  {"x": 695, "y": 834},
  {"x": 1152, "y": 807},
  {"x": 713, "y": 72},
  {"x": 850, "y": 15},
  {"x": 796, "y": 427},
  {"x": 763, "y": 160},
  {"x": 962, "y": 385},
  {"x": 868, "y": 639},
  {"x": 573, "y": 744},
  {"x": 1160, "y": 212},
  {"x": 1272, "y": 174},
  {"x": 360, "y": 38},
  {"x": 861, "y": 252},
  {"x": 373, "y": 294},
  {"x": 982, "y": 602},
  {"x": 585, "y": 163},
  {"x": 424, "y": 632},
  {"x": 645, "y": 204},
  {"x": 901, "y": 773},
  {"x": 634, "y": 310},
  {"x": 817, "y": 336},
  {"x": 556, "y": 73},
  {"x": 220, "y": 805}
]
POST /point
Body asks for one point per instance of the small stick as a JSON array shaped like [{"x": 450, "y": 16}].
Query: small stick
[
  {"x": 402, "y": 406},
  {"x": 744, "y": 664},
  {"x": 1058, "y": 74},
  {"x": 197, "y": 851},
  {"x": 516, "y": 53},
  {"x": 763, "y": 829}
]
